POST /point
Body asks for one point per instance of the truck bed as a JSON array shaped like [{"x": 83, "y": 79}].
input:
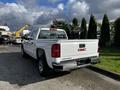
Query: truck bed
[{"x": 74, "y": 49}]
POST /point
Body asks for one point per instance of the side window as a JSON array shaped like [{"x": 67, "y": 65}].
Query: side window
[{"x": 33, "y": 32}]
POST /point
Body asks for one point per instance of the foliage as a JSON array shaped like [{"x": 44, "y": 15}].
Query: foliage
[
  {"x": 83, "y": 29},
  {"x": 110, "y": 59},
  {"x": 75, "y": 24},
  {"x": 117, "y": 33},
  {"x": 105, "y": 32},
  {"x": 92, "y": 31}
]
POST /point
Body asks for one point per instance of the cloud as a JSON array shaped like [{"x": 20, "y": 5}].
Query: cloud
[
  {"x": 114, "y": 14},
  {"x": 17, "y": 14},
  {"x": 12, "y": 7},
  {"x": 29, "y": 4},
  {"x": 21, "y": 12},
  {"x": 54, "y": 1},
  {"x": 73, "y": 8},
  {"x": 49, "y": 15},
  {"x": 60, "y": 6},
  {"x": 77, "y": 8},
  {"x": 12, "y": 13},
  {"x": 100, "y": 7}
]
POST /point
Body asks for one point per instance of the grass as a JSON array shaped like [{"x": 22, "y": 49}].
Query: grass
[{"x": 110, "y": 60}]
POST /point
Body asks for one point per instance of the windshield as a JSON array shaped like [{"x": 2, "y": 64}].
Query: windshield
[{"x": 45, "y": 34}]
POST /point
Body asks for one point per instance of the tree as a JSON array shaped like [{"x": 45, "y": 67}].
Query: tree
[
  {"x": 62, "y": 25},
  {"x": 105, "y": 32},
  {"x": 75, "y": 23},
  {"x": 117, "y": 33},
  {"x": 92, "y": 31},
  {"x": 83, "y": 29},
  {"x": 59, "y": 24},
  {"x": 75, "y": 29}
]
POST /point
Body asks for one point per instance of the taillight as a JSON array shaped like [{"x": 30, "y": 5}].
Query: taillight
[{"x": 55, "y": 51}]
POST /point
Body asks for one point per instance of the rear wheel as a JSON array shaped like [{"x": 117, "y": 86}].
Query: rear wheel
[{"x": 42, "y": 64}]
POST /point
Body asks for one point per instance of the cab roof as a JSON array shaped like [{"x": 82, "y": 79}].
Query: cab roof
[{"x": 51, "y": 28}]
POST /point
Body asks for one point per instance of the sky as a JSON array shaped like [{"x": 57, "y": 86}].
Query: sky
[{"x": 18, "y": 12}]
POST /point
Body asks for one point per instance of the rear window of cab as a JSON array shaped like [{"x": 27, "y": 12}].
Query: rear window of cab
[{"x": 52, "y": 34}]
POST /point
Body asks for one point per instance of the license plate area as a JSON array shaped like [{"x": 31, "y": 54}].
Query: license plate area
[{"x": 82, "y": 62}]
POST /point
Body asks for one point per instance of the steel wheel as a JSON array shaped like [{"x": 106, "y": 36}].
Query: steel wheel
[{"x": 40, "y": 66}]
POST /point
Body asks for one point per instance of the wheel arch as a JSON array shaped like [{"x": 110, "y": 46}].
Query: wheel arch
[{"x": 42, "y": 53}]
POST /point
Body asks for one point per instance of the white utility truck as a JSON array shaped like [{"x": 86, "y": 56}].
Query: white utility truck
[{"x": 52, "y": 49}]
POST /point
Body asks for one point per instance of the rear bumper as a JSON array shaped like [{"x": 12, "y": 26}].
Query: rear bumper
[{"x": 73, "y": 64}]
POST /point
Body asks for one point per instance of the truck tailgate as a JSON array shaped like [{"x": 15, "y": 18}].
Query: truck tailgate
[{"x": 73, "y": 49}]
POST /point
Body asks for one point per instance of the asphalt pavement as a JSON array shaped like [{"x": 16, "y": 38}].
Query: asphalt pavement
[{"x": 18, "y": 73}]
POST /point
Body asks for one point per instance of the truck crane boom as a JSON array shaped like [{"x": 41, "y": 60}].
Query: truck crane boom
[{"x": 18, "y": 33}]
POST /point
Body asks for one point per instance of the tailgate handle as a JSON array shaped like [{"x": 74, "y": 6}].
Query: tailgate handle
[{"x": 81, "y": 45}]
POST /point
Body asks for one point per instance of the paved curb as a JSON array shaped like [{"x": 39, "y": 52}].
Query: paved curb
[
  {"x": 3, "y": 46},
  {"x": 112, "y": 75}
]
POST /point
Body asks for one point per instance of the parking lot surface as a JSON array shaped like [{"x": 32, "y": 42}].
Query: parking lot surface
[{"x": 18, "y": 73}]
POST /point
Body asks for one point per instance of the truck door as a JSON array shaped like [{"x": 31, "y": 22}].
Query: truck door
[
  {"x": 32, "y": 48},
  {"x": 32, "y": 42}
]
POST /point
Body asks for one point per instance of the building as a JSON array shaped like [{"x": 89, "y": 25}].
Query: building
[
  {"x": 4, "y": 34},
  {"x": 4, "y": 31}
]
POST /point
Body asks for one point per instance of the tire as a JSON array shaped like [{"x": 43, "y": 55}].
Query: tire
[
  {"x": 23, "y": 52},
  {"x": 42, "y": 64}
]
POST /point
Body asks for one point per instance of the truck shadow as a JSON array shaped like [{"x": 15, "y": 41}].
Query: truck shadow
[{"x": 22, "y": 71}]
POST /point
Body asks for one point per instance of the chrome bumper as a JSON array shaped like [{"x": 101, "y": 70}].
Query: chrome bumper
[{"x": 73, "y": 64}]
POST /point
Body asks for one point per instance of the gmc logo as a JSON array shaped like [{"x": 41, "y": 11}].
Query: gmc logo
[{"x": 82, "y": 47}]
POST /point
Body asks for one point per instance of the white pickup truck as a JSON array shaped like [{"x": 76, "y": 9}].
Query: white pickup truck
[{"x": 52, "y": 49}]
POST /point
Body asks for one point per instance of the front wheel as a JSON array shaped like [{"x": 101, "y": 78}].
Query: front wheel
[{"x": 23, "y": 52}]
